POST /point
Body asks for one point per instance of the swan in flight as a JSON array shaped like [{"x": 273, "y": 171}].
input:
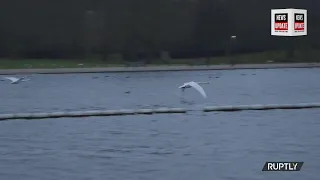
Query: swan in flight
[
  {"x": 196, "y": 86},
  {"x": 16, "y": 80}
]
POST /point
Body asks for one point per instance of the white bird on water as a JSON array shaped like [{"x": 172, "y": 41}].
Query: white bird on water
[
  {"x": 15, "y": 80},
  {"x": 196, "y": 86}
]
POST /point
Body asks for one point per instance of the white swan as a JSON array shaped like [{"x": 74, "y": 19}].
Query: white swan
[
  {"x": 196, "y": 86},
  {"x": 16, "y": 80}
]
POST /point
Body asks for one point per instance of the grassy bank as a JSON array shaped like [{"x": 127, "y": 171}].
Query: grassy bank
[{"x": 252, "y": 58}]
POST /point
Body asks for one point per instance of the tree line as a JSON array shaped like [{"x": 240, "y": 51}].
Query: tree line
[{"x": 135, "y": 28}]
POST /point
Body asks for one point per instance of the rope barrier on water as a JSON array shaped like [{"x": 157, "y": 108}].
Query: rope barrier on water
[
  {"x": 154, "y": 111},
  {"x": 262, "y": 107}
]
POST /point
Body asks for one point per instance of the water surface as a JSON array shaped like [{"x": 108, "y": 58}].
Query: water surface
[
  {"x": 46, "y": 93},
  {"x": 194, "y": 146},
  {"x": 189, "y": 146}
]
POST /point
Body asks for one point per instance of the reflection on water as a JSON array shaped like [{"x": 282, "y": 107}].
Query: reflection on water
[{"x": 183, "y": 101}]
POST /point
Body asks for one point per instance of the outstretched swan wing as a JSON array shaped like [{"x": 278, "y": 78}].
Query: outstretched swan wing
[
  {"x": 13, "y": 79},
  {"x": 198, "y": 88}
]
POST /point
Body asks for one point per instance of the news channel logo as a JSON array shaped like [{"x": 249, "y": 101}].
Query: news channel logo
[{"x": 288, "y": 22}]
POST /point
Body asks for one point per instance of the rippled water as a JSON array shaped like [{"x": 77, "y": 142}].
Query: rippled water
[
  {"x": 157, "y": 89},
  {"x": 195, "y": 146},
  {"x": 160, "y": 147}
]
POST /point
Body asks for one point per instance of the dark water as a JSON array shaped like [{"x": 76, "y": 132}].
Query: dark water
[
  {"x": 158, "y": 89},
  {"x": 195, "y": 146},
  {"x": 161, "y": 147}
]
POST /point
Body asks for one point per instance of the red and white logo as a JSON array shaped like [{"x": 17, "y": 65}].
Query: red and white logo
[
  {"x": 281, "y": 22},
  {"x": 298, "y": 22}
]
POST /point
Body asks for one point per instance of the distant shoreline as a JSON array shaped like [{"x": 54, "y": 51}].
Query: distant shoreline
[{"x": 157, "y": 68}]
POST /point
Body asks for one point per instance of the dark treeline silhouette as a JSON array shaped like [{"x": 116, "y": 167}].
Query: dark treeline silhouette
[{"x": 143, "y": 28}]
